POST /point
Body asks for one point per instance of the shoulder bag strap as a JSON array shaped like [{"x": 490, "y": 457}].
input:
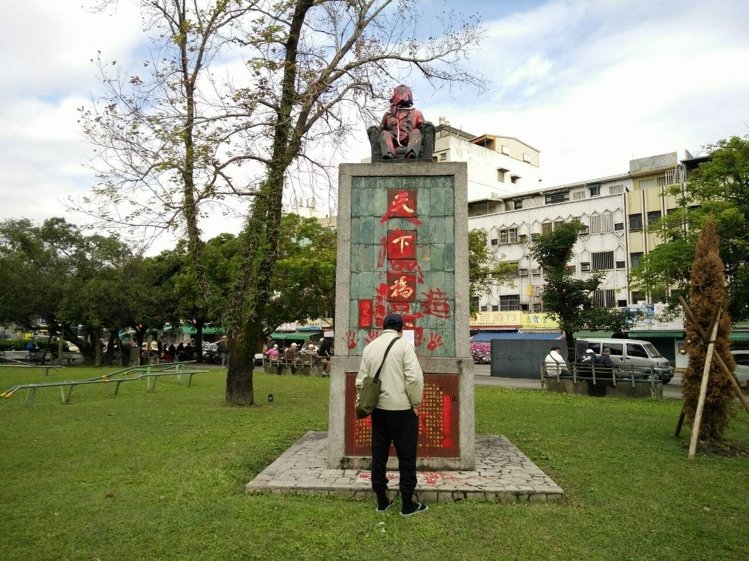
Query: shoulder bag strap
[{"x": 377, "y": 376}]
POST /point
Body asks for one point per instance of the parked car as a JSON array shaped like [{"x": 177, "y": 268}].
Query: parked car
[
  {"x": 742, "y": 367},
  {"x": 626, "y": 353}
]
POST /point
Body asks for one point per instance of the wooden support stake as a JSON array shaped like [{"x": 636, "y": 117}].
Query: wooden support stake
[
  {"x": 703, "y": 387},
  {"x": 682, "y": 415},
  {"x": 703, "y": 335}
]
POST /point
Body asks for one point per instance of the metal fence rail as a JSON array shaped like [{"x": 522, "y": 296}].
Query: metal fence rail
[
  {"x": 6, "y": 361},
  {"x": 151, "y": 373}
]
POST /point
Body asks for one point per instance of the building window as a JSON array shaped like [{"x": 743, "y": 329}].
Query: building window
[
  {"x": 604, "y": 298},
  {"x": 518, "y": 204},
  {"x": 509, "y": 303},
  {"x": 635, "y": 222},
  {"x": 621, "y": 303},
  {"x": 595, "y": 224},
  {"x": 501, "y": 174},
  {"x": 522, "y": 272},
  {"x": 672, "y": 177},
  {"x": 584, "y": 267},
  {"x": 638, "y": 297},
  {"x": 618, "y": 226},
  {"x": 512, "y": 235},
  {"x": 602, "y": 260},
  {"x": 546, "y": 227},
  {"x": 634, "y": 259},
  {"x": 495, "y": 307},
  {"x": 484, "y": 308},
  {"x": 558, "y": 223},
  {"x": 594, "y": 190},
  {"x": 607, "y": 222},
  {"x": 494, "y": 241},
  {"x": 616, "y": 189},
  {"x": 538, "y": 307},
  {"x": 502, "y": 237},
  {"x": 620, "y": 265},
  {"x": 647, "y": 183},
  {"x": 557, "y": 198},
  {"x": 653, "y": 216}
]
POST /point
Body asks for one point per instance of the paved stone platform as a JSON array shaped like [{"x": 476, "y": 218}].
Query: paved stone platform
[{"x": 503, "y": 474}]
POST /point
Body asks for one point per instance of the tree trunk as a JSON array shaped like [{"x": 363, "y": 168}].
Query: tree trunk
[
  {"x": 261, "y": 233},
  {"x": 239, "y": 389}
]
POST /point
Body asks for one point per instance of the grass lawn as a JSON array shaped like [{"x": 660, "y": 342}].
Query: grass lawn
[{"x": 161, "y": 475}]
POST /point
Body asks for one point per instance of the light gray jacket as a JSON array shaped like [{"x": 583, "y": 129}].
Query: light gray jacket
[{"x": 401, "y": 375}]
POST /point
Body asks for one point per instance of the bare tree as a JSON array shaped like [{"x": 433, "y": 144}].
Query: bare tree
[{"x": 313, "y": 71}]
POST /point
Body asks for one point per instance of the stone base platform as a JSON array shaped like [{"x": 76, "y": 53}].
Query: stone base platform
[{"x": 503, "y": 474}]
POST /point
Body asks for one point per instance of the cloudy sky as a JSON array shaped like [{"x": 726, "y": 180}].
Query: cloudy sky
[{"x": 589, "y": 83}]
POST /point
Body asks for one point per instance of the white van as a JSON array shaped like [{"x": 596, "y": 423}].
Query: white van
[{"x": 630, "y": 353}]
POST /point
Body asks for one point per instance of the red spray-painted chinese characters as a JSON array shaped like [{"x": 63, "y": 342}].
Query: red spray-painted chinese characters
[{"x": 403, "y": 291}]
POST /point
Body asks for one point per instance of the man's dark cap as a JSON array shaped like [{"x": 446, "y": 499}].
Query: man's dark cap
[{"x": 393, "y": 321}]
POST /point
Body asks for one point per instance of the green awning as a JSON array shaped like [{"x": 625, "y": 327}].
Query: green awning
[
  {"x": 290, "y": 336},
  {"x": 656, "y": 334},
  {"x": 190, "y": 330},
  {"x": 739, "y": 335},
  {"x": 583, "y": 333}
]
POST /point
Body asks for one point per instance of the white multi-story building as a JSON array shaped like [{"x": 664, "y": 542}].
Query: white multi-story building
[
  {"x": 505, "y": 200},
  {"x": 498, "y": 166},
  {"x": 512, "y": 225}
]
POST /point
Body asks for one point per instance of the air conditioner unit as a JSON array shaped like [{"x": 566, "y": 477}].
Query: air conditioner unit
[{"x": 536, "y": 271}]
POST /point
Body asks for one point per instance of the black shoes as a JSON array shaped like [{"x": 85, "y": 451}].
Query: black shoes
[
  {"x": 383, "y": 506},
  {"x": 413, "y": 508}
]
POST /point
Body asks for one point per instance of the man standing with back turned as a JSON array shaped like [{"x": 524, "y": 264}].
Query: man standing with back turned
[{"x": 395, "y": 419}]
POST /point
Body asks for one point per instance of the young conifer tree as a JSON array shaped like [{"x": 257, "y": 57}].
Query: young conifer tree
[{"x": 707, "y": 292}]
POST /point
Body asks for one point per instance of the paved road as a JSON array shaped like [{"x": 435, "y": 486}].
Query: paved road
[{"x": 481, "y": 375}]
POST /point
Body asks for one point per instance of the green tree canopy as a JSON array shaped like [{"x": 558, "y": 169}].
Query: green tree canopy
[
  {"x": 717, "y": 189},
  {"x": 567, "y": 299},
  {"x": 485, "y": 269}
]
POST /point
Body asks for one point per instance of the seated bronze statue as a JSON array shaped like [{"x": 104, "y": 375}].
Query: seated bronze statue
[{"x": 403, "y": 132}]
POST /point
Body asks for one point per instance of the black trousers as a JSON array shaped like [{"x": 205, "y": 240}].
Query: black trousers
[{"x": 401, "y": 428}]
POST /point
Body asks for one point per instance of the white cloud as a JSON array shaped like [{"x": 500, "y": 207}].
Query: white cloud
[{"x": 590, "y": 83}]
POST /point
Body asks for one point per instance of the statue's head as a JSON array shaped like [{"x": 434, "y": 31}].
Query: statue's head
[{"x": 402, "y": 97}]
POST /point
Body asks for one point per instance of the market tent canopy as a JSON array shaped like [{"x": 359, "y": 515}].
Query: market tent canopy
[
  {"x": 482, "y": 336},
  {"x": 190, "y": 330},
  {"x": 291, "y": 336}
]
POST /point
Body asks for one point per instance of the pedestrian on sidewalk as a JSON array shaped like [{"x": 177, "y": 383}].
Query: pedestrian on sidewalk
[{"x": 395, "y": 419}]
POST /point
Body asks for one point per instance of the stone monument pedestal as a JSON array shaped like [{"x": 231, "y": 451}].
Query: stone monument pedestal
[{"x": 403, "y": 247}]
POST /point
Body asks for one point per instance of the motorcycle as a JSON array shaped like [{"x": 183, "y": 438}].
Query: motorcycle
[{"x": 481, "y": 358}]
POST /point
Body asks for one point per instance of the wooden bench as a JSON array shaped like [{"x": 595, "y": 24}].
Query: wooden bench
[{"x": 39, "y": 357}]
